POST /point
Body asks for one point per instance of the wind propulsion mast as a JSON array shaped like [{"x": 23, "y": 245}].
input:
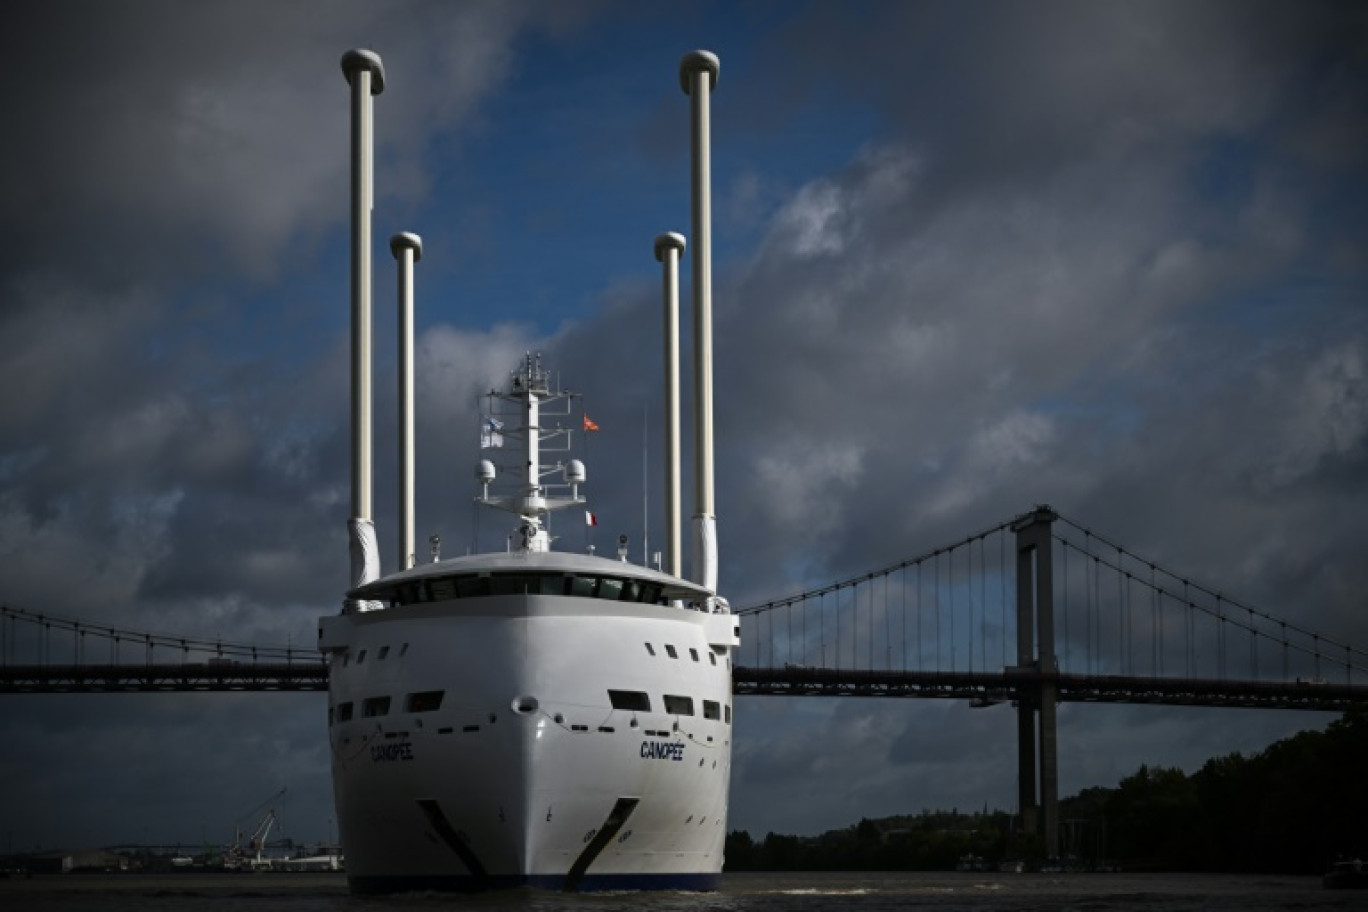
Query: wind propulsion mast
[
  {"x": 366, "y": 75},
  {"x": 698, "y": 77}
]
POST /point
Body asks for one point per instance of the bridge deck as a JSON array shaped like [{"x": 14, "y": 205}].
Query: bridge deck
[{"x": 980, "y": 688}]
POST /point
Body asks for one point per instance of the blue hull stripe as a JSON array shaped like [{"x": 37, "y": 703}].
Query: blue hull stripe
[{"x": 588, "y": 883}]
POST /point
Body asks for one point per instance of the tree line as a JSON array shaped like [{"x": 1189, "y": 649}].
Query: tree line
[{"x": 1290, "y": 808}]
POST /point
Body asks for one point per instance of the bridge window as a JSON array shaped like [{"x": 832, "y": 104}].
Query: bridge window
[
  {"x": 670, "y": 651},
  {"x": 712, "y": 709},
  {"x": 634, "y": 700},
  {"x": 344, "y": 712},
  {"x": 375, "y": 706},
  {"x": 693, "y": 653},
  {"x": 423, "y": 701},
  {"x": 650, "y": 649},
  {"x": 471, "y": 585},
  {"x": 679, "y": 706}
]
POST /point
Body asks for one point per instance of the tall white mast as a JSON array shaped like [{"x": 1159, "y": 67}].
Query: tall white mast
[
  {"x": 669, "y": 247},
  {"x": 366, "y": 75},
  {"x": 407, "y": 249},
  {"x": 698, "y": 73}
]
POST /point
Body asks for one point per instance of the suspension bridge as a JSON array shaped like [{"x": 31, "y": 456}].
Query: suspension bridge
[{"x": 1033, "y": 611}]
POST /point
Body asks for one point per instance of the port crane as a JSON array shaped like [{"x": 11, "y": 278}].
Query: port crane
[{"x": 238, "y": 857}]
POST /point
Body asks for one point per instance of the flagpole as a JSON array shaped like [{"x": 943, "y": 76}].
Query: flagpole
[{"x": 645, "y": 491}]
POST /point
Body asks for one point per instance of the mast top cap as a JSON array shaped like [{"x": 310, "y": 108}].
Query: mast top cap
[
  {"x": 357, "y": 60},
  {"x": 698, "y": 62},
  {"x": 670, "y": 240},
  {"x": 407, "y": 240}
]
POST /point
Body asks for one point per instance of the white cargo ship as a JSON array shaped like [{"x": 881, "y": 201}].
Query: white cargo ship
[{"x": 529, "y": 716}]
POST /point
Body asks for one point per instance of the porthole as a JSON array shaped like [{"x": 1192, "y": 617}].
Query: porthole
[{"x": 523, "y": 705}]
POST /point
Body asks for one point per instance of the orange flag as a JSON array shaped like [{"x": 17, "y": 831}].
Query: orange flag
[{"x": 589, "y": 425}]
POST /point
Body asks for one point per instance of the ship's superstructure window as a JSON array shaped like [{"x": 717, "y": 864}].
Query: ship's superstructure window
[
  {"x": 712, "y": 657},
  {"x": 634, "y": 700},
  {"x": 375, "y": 706},
  {"x": 344, "y": 712},
  {"x": 670, "y": 651},
  {"x": 693, "y": 653},
  {"x": 727, "y": 711},
  {"x": 384, "y": 651},
  {"x": 360, "y": 657},
  {"x": 712, "y": 709},
  {"x": 475, "y": 585},
  {"x": 650, "y": 649},
  {"x": 679, "y": 706},
  {"x": 424, "y": 701}
]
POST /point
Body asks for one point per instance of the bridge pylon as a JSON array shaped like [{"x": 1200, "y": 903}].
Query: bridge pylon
[{"x": 1037, "y": 741}]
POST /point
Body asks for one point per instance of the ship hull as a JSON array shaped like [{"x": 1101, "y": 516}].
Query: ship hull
[{"x": 485, "y": 743}]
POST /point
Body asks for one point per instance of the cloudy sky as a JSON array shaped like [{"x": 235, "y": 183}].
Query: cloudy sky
[{"x": 969, "y": 258}]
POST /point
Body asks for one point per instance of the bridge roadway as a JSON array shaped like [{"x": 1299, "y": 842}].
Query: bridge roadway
[{"x": 978, "y": 688}]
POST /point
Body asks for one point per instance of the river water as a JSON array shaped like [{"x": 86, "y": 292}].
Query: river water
[{"x": 862, "y": 892}]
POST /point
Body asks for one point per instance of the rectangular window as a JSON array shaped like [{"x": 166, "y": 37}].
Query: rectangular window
[
  {"x": 375, "y": 706},
  {"x": 360, "y": 657},
  {"x": 679, "y": 706},
  {"x": 344, "y": 712},
  {"x": 670, "y": 651},
  {"x": 610, "y": 588},
  {"x": 635, "y": 700},
  {"x": 443, "y": 589},
  {"x": 693, "y": 654},
  {"x": 650, "y": 649},
  {"x": 424, "y": 701},
  {"x": 384, "y": 651},
  {"x": 727, "y": 713},
  {"x": 583, "y": 586},
  {"x": 712, "y": 657},
  {"x": 472, "y": 586},
  {"x": 513, "y": 585},
  {"x": 712, "y": 709}
]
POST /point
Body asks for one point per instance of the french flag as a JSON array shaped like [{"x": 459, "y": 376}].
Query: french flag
[{"x": 590, "y": 519}]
